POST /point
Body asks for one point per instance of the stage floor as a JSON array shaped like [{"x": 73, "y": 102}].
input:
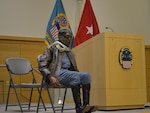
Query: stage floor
[{"x": 33, "y": 110}]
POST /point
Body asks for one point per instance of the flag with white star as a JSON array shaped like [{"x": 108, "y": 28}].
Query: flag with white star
[{"x": 88, "y": 26}]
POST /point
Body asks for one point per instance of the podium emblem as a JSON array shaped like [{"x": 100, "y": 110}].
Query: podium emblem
[{"x": 126, "y": 57}]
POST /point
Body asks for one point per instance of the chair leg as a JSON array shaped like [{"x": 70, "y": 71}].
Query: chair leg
[
  {"x": 39, "y": 100},
  {"x": 62, "y": 109},
  {"x": 18, "y": 100},
  {"x": 7, "y": 98},
  {"x": 40, "y": 91},
  {"x": 30, "y": 98},
  {"x": 50, "y": 99}
]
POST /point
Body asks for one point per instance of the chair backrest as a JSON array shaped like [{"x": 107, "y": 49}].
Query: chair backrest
[
  {"x": 39, "y": 57},
  {"x": 19, "y": 66}
]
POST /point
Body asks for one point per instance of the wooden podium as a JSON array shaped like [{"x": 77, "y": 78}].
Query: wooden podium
[{"x": 114, "y": 87}]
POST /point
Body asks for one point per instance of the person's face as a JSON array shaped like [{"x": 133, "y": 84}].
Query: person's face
[{"x": 66, "y": 40}]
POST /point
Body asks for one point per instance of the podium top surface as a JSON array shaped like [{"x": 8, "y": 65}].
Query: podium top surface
[
  {"x": 111, "y": 35},
  {"x": 119, "y": 35}
]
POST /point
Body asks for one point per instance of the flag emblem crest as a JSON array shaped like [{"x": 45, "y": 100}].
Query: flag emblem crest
[
  {"x": 57, "y": 20},
  {"x": 126, "y": 57},
  {"x": 61, "y": 19}
]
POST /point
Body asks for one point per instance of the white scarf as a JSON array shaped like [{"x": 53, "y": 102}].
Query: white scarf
[{"x": 61, "y": 46}]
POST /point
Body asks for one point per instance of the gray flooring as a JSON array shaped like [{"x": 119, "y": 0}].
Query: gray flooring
[{"x": 49, "y": 110}]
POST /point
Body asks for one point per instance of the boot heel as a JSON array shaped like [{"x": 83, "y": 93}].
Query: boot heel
[
  {"x": 87, "y": 108},
  {"x": 95, "y": 108}
]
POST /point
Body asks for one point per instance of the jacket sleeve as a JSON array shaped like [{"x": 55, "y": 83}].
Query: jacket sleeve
[{"x": 44, "y": 61}]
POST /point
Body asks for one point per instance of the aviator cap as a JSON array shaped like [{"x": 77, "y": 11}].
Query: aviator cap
[{"x": 65, "y": 32}]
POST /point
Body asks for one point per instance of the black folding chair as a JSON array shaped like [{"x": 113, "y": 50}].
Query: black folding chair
[
  {"x": 19, "y": 67},
  {"x": 49, "y": 86}
]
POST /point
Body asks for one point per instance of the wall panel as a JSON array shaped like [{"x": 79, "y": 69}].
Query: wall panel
[
  {"x": 11, "y": 46},
  {"x": 147, "y": 62}
]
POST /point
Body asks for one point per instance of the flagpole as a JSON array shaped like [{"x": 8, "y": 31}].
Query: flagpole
[{"x": 78, "y": 13}]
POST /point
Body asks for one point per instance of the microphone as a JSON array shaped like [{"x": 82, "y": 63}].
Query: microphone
[{"x": 109, "y": 29}]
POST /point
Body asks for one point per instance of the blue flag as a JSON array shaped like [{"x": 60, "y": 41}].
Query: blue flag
[{"x": 57, "y": 20}]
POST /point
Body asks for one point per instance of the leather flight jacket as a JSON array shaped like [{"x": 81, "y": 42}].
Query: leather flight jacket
[{"x": 49, "y": 63}]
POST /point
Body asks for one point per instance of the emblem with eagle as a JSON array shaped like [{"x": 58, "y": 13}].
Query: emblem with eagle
[{"x": 126, "y": 57}]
